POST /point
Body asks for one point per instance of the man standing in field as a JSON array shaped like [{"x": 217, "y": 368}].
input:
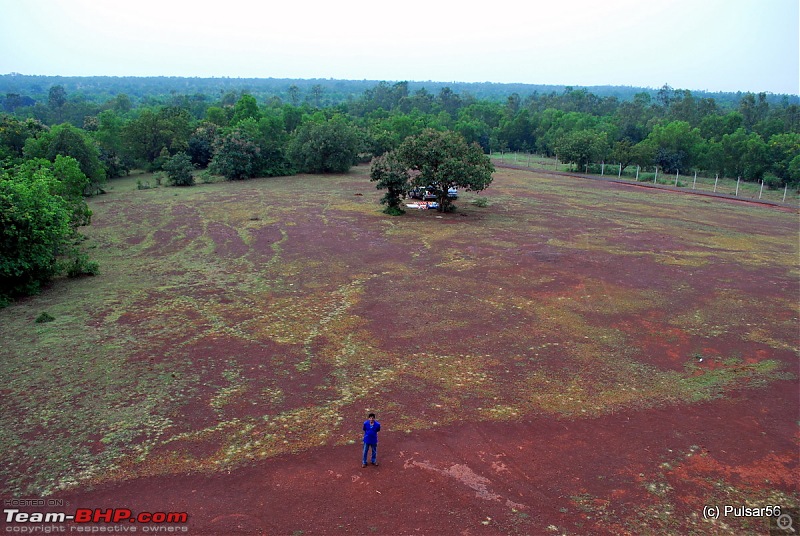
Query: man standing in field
[{"x": 371, "y": 429}]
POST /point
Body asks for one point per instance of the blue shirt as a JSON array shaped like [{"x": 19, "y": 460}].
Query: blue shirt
[{"x": 371, "y": 432}]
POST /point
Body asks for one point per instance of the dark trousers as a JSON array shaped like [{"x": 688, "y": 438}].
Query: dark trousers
[{"x": 374, "y": 452}]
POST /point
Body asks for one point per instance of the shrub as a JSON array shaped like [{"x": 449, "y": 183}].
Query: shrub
[
  {"x": 80, "y": 265},
  {"x": 394, "y": 211},
  {"x": 772, "y": 181},
  {"x": 44, "y": 317},
  {"x": 179, "y": 170},
  {"x": 205, "y": 177}
]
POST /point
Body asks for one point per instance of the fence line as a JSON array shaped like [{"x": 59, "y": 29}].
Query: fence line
[{"x": 655, "y": 175}]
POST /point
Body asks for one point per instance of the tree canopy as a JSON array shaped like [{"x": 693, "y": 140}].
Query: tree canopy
[
  {"x": 435, "y": 160},
  {"x": 581, "y": 147},
  {"x": 66, "y": 140},
  {"x": 41, "y": 208},
  {"x": 390, "y": 174},
  {"x": 324, "y": 146}
]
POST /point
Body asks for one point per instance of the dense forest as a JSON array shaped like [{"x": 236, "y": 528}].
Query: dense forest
[
  {"x": 142, "y": 121},
  {"x": 61, "y": 138},
  {"x": 327, "y": 92}
]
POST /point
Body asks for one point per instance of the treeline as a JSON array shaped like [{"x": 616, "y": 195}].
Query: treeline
[
  {"x": 18, "y": 90},
  {"x": 754, "y": 137},
  {"x": 64, "y": 144}
]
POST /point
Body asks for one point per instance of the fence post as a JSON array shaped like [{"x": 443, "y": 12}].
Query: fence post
[
  {"x": 676, "y": 178},
  {"x": 586, "y": 170},
  {"x": 602, "y": 168},
  {"x": 762, "y": 189},
  {"x": 637, "y": 173},
  {"x": 619, "y": 175},
  {"x": 716, "y": 180},
  {"x": 737, "y": 186},
  {"x": 786, "y": 187},
  {"x": 529, "y": 159},
  {"x": 655, "y": 176},
  {"x": 695, "y": 180}
]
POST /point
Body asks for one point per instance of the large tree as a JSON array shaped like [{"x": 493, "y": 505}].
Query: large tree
[
  {"x": 582, "y": 147},
  {"x": 156, "y": 132},
  {"x": 108, "y": 136},
  {"x": 237, "y": 152},
  {"x": 677, "y": 145},
  {"x": 251, "y": 149},
  {"x": 444, "y": 160},
  {"x": 57, "y": 96},
  {"x": 783, "y": 150},
  {"x": 245, "y": 108},
  {"x": 13, "y": 135},
  {"x": 392, "y": 175},
  {"x": 746, "y": 155},
  {"x": 324, "y": 146},
  {"x": 66, "y": 140},
  {"x": 623, "y": 152},
  {"x": 201, "y": 144}
]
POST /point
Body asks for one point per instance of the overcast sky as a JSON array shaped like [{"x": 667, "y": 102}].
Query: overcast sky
[{"x": 715, "y": 45}]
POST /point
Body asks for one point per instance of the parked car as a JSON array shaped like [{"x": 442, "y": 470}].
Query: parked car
[
  {"x": 426, "y": 194},
  {"x": 422, "y": 193}
]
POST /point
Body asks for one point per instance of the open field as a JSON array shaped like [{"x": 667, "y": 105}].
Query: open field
[
  {"x": 725, "y": 186},
  {"x": 579, "y": 357}
]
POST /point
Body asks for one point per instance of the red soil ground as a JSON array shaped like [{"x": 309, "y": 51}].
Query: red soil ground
[
  {"x": 452, "y": 480},
  {"x": 639, "y": 471}
]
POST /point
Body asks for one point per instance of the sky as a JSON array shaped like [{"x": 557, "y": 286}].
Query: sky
[{"x": 707, "y": 45}]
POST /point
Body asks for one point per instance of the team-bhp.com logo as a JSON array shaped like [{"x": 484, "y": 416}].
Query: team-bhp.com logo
[{"x": 94, "y": 516}]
